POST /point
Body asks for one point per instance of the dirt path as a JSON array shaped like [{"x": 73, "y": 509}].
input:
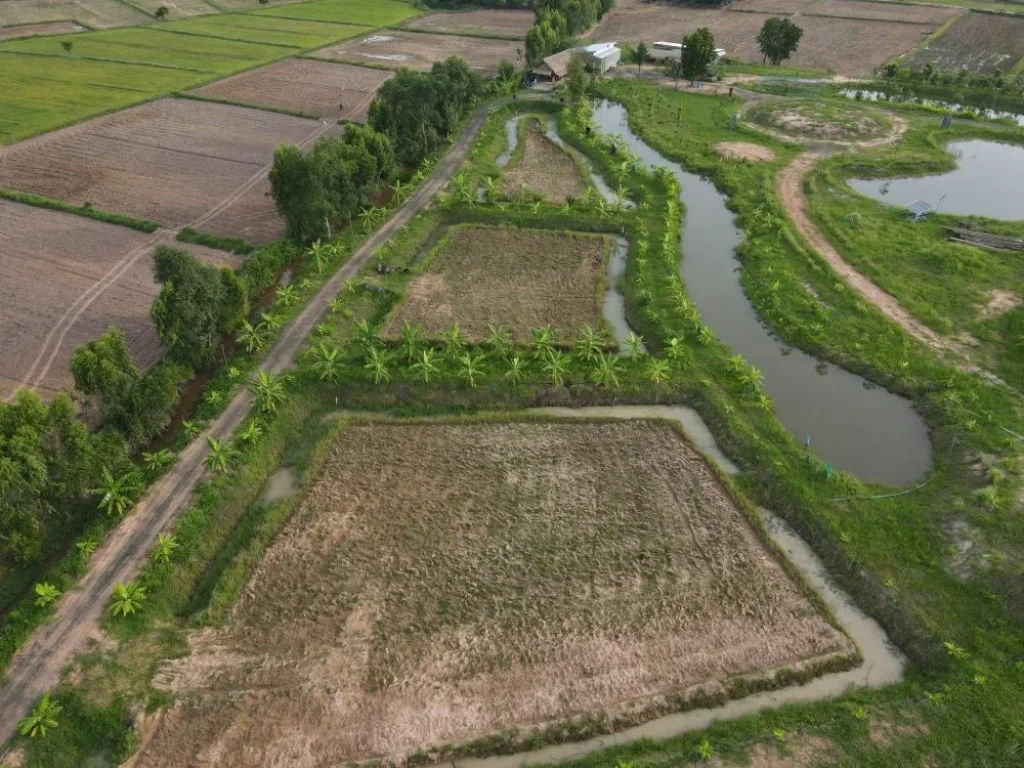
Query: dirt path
[{"x": 37, "y": 667}]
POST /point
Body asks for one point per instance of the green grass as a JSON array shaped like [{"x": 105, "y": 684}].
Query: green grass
[
  {"x": 294, "y": 33},
  {"x": 121, "y": 219},
  {"x": 769, "y": 70},
  {"x": 371, "y": 12}
]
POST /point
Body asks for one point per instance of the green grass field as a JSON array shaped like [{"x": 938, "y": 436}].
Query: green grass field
[
  {"x": 372, "y": 12},
  {"x": 294, "y": 33}
]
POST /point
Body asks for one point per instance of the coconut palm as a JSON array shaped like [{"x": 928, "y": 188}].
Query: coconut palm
[
  {"x": 220, "y": 457},
  {"x": 377, "y": 365},
  {"x": 410, "y": 345},
  {"x": 606, "y": 373},
  {"x": 658, "y": 371},
  {"x": 454, "y": 341},
  {"x": 588, "y": 348},
  {"x": 327, "y": 363},
  {"x": 117, "y": 494},
  {"x": 499, "y": 341},
  {"x": 425, "y": 367},
  {"x": 164, "y": 549},
  {"x": 127, "y": 599},
  {"x": 470, "y": 368},
  {"x": 543, "y": 341},
  {"x": 635, "y": 345},
  {"x": 270, "y": 391},
  {"x": 555, "y": 368},
  {"x": 42, "y": 718},
  {"x": 158, "y": 461},
  {"x": 254, "y": 337},
  {"x": 516, "y": 373},
  {"x": 287, "y": 296},
  {"x": 46, "y": 594}
]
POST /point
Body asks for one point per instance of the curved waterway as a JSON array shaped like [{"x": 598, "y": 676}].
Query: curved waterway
[
  {"x": 954, "y": 106},
  {"x": 883, "y": 664},
  {"x": 859, "y": 428},
  {"x": 988, "y": 181}
]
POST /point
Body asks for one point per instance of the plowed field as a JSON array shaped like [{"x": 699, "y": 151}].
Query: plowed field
[
  {"x": 179, "y": 162},
  {"x": 394, "y": 48},
  {"x": 979, "y": 42},
  {"x": 318, "y": 88},
  {"x": 29, "y": 30},
  {"x": 52, "y": 263},
  {"x": 512, "y": 24},
  {"x": 512, "y": 574}
]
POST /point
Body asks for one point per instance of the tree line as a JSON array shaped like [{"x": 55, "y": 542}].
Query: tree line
[{"x": 558, "y": 21}]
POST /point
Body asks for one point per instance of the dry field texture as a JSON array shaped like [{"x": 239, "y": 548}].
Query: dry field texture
[
  {"x": 811, "y": 120},
  {"x": 543, "y": 168},
  {"x": 176, "y": 161},
  {"x": 50, "y": 260},
  {"x": 95, "y": 14},
  {"x": 493, "y": 22},
  {"x": 979, "y": 42},
  {"x": 316, "y": 88},
  {"x": 517, "y": 278},
  {"x": 31, "y": 30},
  {"x": 744, "y": 151},
  {"x": 513, "y": 574},
  {"x": 417, "y": 50}
]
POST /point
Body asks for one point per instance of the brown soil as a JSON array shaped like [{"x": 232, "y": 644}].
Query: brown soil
[
  {"x": 520, "y": 279},
  {"x": 743, "y": 150},
  {"x": 503, "y": 23},
  {"x": 95, "y": 14},
  {"x": 808, "y": 122},
  {"x": 28, "y": 30},
  {"x": 1000, "y": 303},
  {"x": 51, "y": 260},
  {"x": 979, "y": 42},
  {"x": 416, "y": 50},
  {"x": 320, "y": 88},
  {"x": 544, "y": 169},
  {"x": 933, "y": 15},
  {"x": 513, "y": 574},
  {"x": 179, "y": 162}
]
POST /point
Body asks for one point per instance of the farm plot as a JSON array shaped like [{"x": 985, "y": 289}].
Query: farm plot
[
  {"x": 514, "y": 574},
  {"x": 50, "y": 260},
  {"x": 543, "y": 168},
  {"x": 31, "y": 30},
  {"x": 318, "y": 88},
  {"x": 179, "y": 9},
  {"x": 374, "y": 13},
  {"x": 496, "y": 23},
  {"x": 881, "y": 11},
  {"x": 417, "y": 50},
  {"x": 288, "y": 33},
  {"x": 979, "y": 42},
  {"x": 520, "y": 279},
  {"x": 180, "y": 162},
  {"x": 96, "y": 14}
]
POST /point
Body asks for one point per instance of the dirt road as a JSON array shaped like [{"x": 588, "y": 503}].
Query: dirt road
[{"x": 37, "y": 667}]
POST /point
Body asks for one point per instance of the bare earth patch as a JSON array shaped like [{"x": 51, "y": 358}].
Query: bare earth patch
[
  {"x": 544, "y": 168},
  {"x": 28, "y": 30},
  {"x": 417, "y": 50},
  {"x": 513, "y": 574},
  {"x": 504, "y": 23},
  {"x": 1000, "y": 303},
  {"x": 744, "y": 150},
  {"x": 979, "y": 42},
  {"x": 813, "y": 122},
  {"x": 520, "y": 279}
]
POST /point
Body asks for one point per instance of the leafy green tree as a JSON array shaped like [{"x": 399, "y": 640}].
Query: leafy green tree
[
  {"x": 298, "y": 193},
  {"x": 161, "y": 13},
  {"x": 425, "y": 367},
  {"x": 67, "y": 45},
  {"x": 270, "y": 391},
  {"x": 127, "y": 599},
  {"x": 42, "y": 718},
  {"x": 117, "y": 493},
  {"x": 377, "y": 365},
  {"x": 778, "y": 39},
  {"x": 164, "y": 550},
  {"x": 698, "y": 53},
  {"x": 577, "y": 78},
  {"x": 642, "y": 52},
  {"x": 46, "y": 594}
]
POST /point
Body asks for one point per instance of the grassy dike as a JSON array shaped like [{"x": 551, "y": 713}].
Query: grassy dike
[{"x": 959, "y": 701}]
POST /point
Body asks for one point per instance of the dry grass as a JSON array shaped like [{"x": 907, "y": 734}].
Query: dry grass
[
  {"x": 744, "y": 151},
  {"x": 51, "y": 28},
  {"x": 520, "y": 279},
  {"x": 440, "y": 582},
  {"x": 812, "y": 120},
  {"x": 95, "y": 14},
  {"x": 544, "y": 168},
  {"x": 401, "y": 48},
  {"x": 979, "y": 42},
  {"x": 502, "y": 23}
]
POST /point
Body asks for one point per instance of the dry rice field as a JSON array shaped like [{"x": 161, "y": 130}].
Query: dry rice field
[
  {"x": 979, "y": 42},
  {"x": 30, "y": 30},
  {"x": 319, "y": 88},
  {"x": 519, "y": 279},
  {"x": 95, "y": 14},
  {"x": 416, "y": 50},
  {"x": 50, "y": 261},
  {"x": 513, "y": 574},
  {"x": 511, "y": 24},
  {"x": 176, "y": 161},
  {"x": 544, "y": 169}
]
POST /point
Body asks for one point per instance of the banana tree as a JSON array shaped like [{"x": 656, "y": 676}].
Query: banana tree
[
  {"x": 270, "y": 391},
  {"x": 327, "y": 363},
  {"x": 117, "y": 494},
  {"x": 377, "y": 365},
  {"x": 556, "y": 368},
  {"x": 254, "y": 337},
  {"x": 425, "y": 367},
  {"x": 470, "y": 368},
  {"x": 164, "y": 549},
  {"x": 220, "y": 457},
  {"x": 499, "y": 341},
  {"x": 410, "y": 346},
  {"x": 516, "y": 373},
  {"x": 321, "y": 255},
  {"x": 588, "y": 345},
  {"x": 127, "y": 599}
]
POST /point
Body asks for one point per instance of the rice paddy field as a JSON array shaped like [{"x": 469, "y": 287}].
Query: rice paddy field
[
  {"x": 374, "y": 13},
  {"x": 250, "y": 27},
  {"x": 519, "y": 279},
  {"x": 543, "y": 169},
  {"x": 516, "y": 573}
]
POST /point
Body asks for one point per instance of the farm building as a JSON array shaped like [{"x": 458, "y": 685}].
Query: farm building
[
  {"x": 663, "y": 51},
  {"x": 553, "y": 67},
  {"x": 600, "y": 57}
]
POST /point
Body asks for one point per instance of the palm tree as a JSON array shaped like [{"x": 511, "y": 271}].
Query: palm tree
[
  {"x": 254, "y": 337},
  {"x": 193, "y": 428},
  {"x": 326, "y": 362},
  {"x": 425, "y": 367},
  {"x": 499, "y": 340},
  {"x": 635, "y": 345},
  {"x": 117, "y": 494},
  {"x": 220, "y": 457},
  {"x": 270, "y": 391},
  {"x": 606, "y": 374},
  {"x": 46, "y": 594},
  {"x": 543, "y": 341},
  {"x": 164, "y": 549},
  {"x": 320, "y": 254},
  {"x": 470, "y": 368},
  {"x": 252, "y": 432},
  {"x": 399, "y": 190},
  {"x": 454, "y": 341},
  {"x": 588, "y": 345},
  {"x": 127, "y": 599},
  {"x": 657, "y": 371},
  {"x": 272, "y": 321},
  {"x": 42, "y": 718},
  {"x": 159, "y": 460},
  {"x": 556, "y": 367},
  {"x": 377, "y": 365},
  {"x": 409, "y": 348},
  {"x": 516, "y": 373}
]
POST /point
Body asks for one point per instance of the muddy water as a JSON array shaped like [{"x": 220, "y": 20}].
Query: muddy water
[
  {"x": 864, "y": 430},
  {"x": 988, "y": 181},
  {"x": 882, "y": 665},
  {"x": 614, "y": 306}
]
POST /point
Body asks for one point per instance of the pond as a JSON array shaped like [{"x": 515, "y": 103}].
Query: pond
[
  {"x": 990, "y": 114},
  {"x": 988, "y": 181},
  {"x": 862, "y": 429}
]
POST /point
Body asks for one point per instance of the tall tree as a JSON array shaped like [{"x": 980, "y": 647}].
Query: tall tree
[
  {"x": 778, "y": 39},
  {"x": 642, "y": 52},
  {"x": 698, "y": 53},
  {"x": 577, "y": 79},
  {"x": 298, "y": 193}
]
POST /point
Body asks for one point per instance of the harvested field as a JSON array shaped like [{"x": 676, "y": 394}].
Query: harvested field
[
  {"x": 418, "y": 50},
  {"x": 498, "y": 23},
  {"x": 317, "y": 88},
  {"x": 882, "y": 11},
  {"x": 178, "y": 9},
  {"x": 520, "y": 279},
  {"x": 979, "y": 42},
  {"x": 31, "y": 30},
  {"x": 96, "y": 14},
  {"x": 743, "y": 150},
  {"x": 544, "y": 169},
  {"x": 50, "y": 259},
  {"x": 513, "y": 574},
  {"x": 176, "y": 161}
]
